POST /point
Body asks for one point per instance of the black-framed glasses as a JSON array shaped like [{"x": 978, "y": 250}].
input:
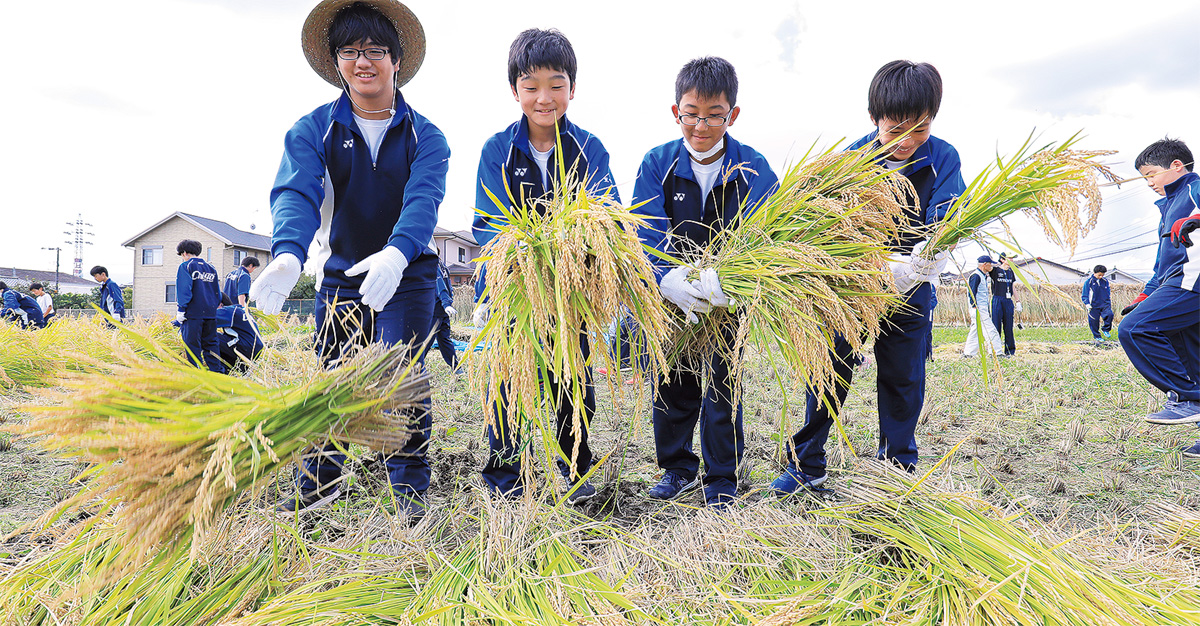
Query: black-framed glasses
[
  {"x": 352, "y": 54},
  {"x": 711, "y": 121}
]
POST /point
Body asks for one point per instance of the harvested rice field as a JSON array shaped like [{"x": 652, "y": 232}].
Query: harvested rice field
[{"x": 1041, "y": 497}]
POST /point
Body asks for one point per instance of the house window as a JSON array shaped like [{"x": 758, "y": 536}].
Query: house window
[
  {"x": 170, "y": 293},
  {"x": 209, "y": 257},
  {"x": 238, "y": 255},
  {"x": 152, "y": 255},
  {"x": 462, "y": 255}
]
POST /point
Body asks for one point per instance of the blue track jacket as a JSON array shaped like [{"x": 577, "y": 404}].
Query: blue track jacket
[
  {"x": 112, "y": 301},
  {"x": 237, "y": 326},
  {"x": 329, "y": 188},
  {"x": 506, "y": 159},
  {"x": 445, "y": 293},
  {"x": 1178, "y": 267},
  {"x": 237, "y": 283},
  {"x": 673, "y": 202},
  {"x": 936, "y": 172},
  {"x": 16, "y": 301},
  {"x": 1096, "y": 292},
  {"x": 196, "y": 289}
]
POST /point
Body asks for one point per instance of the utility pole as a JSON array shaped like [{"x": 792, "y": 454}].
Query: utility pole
[
  {"x": 57, "y": 255},
  {"x": 78, "y": 242}
]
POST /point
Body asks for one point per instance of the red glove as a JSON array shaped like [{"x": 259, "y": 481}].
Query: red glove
[
  {"x": 1133, "y": 305},
  {"x": 1181, "y": 229}
]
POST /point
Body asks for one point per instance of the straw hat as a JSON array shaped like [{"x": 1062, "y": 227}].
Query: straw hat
[{"x": 314, "y": 38}]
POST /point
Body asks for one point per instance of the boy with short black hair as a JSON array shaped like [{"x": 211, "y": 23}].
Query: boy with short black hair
[
  {"x": 690, "y": 189},
  {"x": 110, "y": 299},
  {"x": 364, "y": 177},
  {"x": 237, "y": 282},
  {"x": 44, "y": 300},
  {"x": 903, "y": 101},
  {"x": 1095, "y": 296},
  {"x": 197, "y": 296},
  {"x": 20, "y": 308},
  {"x": 1161, "y": 329},
  {"x": 526, "y": 157}
]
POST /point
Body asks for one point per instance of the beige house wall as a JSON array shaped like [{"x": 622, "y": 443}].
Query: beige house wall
[{"x": 150, "y": 281}]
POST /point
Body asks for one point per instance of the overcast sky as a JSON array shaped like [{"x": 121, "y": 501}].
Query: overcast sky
[{"x": 127, "y": 110}]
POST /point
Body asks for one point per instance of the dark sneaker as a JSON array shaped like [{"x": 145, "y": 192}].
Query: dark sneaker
[
  {"x": 793, "y": 480},
  {"x": 410, "y": 506},
  {"x": 307, "y": 501},
  {"x": 577, "y": 493},
  {"x": 1176, "y": 411},
  {"x": 720, "y": 502},
  {"x": 1192, "y": 452},
  {"x": 672, "y": 486}
]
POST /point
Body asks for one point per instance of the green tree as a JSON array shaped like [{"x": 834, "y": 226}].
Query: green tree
[
  {"x": 305, "y": 289},
  {"x": 73, "y": 301}
]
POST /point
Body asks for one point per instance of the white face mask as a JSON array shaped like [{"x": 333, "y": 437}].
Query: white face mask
[{"x": 700, "y": 156}]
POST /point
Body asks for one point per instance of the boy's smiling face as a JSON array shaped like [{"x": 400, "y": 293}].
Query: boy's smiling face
[
  {"x": 544, "y": 94},
  {"x": 371, "y": 83},
  {"x": 890, "y": 130},
  {"x": 1159, "y": 177},
  {"x": 702, "y": 137}
]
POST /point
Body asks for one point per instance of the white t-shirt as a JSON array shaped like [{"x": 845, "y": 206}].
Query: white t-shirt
[
  {"x": 890, "y": 165},
  {"x": 706, "y": 175},
  {"x": 45, "y": 301},
  {"x": 373, "y": 131},
  {"x": 543, "y": 161}
]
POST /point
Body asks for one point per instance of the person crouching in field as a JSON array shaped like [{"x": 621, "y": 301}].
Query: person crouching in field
[
  {"x": 45, "y": 302},
  {"x": 690, "y": 189},
  {"x": 19, "y": 308},
  {"x": 903, "y": 101},
  {"x": 980, "y": 313},
  {"x": 525, "y": 158},
  {"x": 239, "y": 339},
  {"x": 1161, "y": 334},
  {"x": 197, "y": 294},
  {"x": 1096, "y": 298},
  {"x": 364, "y": 177}
]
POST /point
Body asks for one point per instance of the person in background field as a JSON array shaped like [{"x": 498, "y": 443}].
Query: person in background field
[
  {"x": 525, "y": 158},
  {"x": 903, "y": 101},
  {"x": 197, "y": 295},
  {"x": 442, "y": 314},
  {"x": 1003, "y": 307},
  {"x": 980, "y": 315},
  {"x": 237, "y": 282},
  {"x": 692, "y": 188},
  {"x": 111, "y": 300},
  {"x": 44, "y": 300},
  {"x": 1095, "y": 296},
  {"x": 20, "y": 308},
  {"x": 239, "y": 339},
  {"x": 363, "y": 177},
  {"x": 1161, "y": 334}
]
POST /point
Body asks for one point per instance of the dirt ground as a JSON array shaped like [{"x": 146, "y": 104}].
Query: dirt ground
[{"x": 1058, "y": 428}]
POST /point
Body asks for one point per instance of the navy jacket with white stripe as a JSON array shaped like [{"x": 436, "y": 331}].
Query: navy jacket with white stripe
[
  {"x": 330, "y": 189},
  {"x": 506, "y": 160},
  {"x": 675, "y": 206},
  {"x": 197, "y": 291},
  {"x": 1178, "y": 267}
]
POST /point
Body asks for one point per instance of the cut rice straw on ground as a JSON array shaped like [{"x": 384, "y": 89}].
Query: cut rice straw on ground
[{"x": 172, "y": 445}]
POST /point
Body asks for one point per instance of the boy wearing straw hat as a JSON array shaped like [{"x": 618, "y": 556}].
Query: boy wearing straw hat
[
  {"x": 1096, "y": 298},
  {"x": 362, "y": 177},
  {"x": 1161, "y": 335},
  {"x": 689, "y": 189},
  {"x": 524, "y": 159},
  {"x": 903, "y": 100}
]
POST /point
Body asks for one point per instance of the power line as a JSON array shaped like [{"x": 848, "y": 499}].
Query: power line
[{"x": 1096, "y": 256}]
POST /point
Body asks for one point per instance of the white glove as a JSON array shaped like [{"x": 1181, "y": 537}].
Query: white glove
[
  {"x": 451, "y": 311},
  {"x": 1017, "y": 307},
  {"x": 180, "y": 317},
  {"x": 482, "y": 314},
  {"x": 709, "y": 286},
  {"x": 902, "y": 275},
  {"x": 275, "y": 283},
  {"x": 384, "y": 270},
  {"x": 927, "y": 270},
  {"x": 676, "y": 289}
]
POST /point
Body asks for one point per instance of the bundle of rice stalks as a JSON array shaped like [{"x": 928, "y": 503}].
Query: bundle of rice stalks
[
  {"x": 1047, "y": 183},
  {"x": 963, "y": 562},
  {"x": 561, "y": 270},
  {"x": 808, "y": 263},
  {"x": 24, "y": 358},
  {"x": 172, "y": 445}
]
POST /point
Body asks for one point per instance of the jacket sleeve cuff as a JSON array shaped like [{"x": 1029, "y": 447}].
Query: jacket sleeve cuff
[
  {"x": 290, "y": 248},
  {"x": 406, "y": 247}
]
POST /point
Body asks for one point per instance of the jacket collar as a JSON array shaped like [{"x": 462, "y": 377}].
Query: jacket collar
[
  {"x": 343, "y": 111},
  {"x": 683, "y": 167},
  {"x": 920, "y": 159},
  {"x": 520, "y": 138}
]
